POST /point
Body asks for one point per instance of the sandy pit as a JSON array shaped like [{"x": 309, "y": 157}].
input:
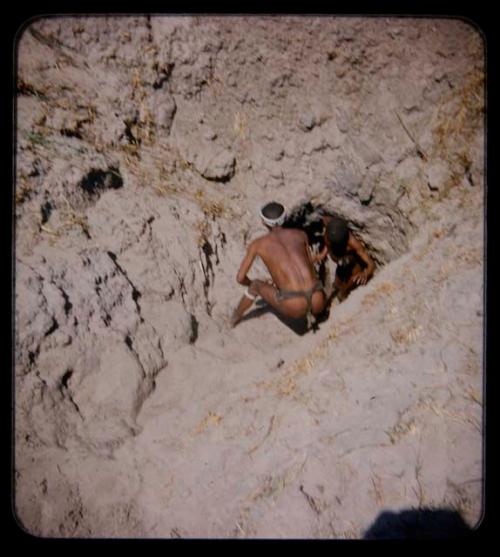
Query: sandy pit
[{"x": 144, "y": 149}]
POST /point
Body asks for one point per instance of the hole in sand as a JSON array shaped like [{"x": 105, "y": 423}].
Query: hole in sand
[
  {"x": 97, "y": 181},
  {"x": 307, "y": 216}
]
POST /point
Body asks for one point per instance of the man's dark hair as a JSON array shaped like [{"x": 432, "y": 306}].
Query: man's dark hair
[
  {"x": 273, "y": 210},
  {"x": 337, "y": 233}
]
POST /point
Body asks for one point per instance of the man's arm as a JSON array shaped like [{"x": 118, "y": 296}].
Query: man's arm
[
  {"x": 313, "y": 258},
  {"x": 251, "y": 254},
  {"x": 357, "y": 246},
  {"x": 320, "y": 256}
]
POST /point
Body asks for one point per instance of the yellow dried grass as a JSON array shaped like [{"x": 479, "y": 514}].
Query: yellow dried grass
[{"x": 210, "y": 420}]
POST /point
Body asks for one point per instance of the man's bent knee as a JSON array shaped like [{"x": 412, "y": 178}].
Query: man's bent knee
[
  {"x": 254, "y": 288},
  {"x": 249, "y": 294}
]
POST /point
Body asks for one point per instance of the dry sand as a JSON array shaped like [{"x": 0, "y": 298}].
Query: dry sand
[{"x": 145, "y": 146}]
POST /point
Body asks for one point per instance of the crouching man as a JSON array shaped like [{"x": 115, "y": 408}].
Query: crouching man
[
  {"x": 295, "y": 290},
  {"x": 354, "y": 266}
]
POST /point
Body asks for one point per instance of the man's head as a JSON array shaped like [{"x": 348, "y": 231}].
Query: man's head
[
  {"x": 273, "y": 214},
  {"x": 337, "y": 234}
]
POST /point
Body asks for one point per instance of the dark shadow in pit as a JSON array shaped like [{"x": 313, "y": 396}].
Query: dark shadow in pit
[
  {"x": 419, "y": 524},
  {"x": 298, "y": 326}
]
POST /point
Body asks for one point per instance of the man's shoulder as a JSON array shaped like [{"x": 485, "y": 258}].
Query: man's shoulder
[
  {"x": 352, "y": 240},
  {"x": 295, "y": 232},
  {"x": 256, "y": 243}
]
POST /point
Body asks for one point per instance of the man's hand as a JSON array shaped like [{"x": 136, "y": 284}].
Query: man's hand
[
  {"x": 360, "y": 278},
  {"x": 245, "y": 281},
  {"x": 317, "y": 258}
]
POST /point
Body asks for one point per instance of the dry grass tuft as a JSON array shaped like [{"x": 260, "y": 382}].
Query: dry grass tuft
[
  {"x": 377, "y": 491},
  {"x": 23, "y": 190},
  {"x": 214, "y": 209},
  {"x": 474, "y": 395},
  {"x": 166, "y": 189},
  {"x": 71, "y": 220},
  {"x": 215, "y": 84},
  {"x": 77, "y": 220},
  {"x": 402, "y": 428},
  {"x": 472, "y": 256},
  {"x": 272, "y": 486},
  {"x": 210, "y": 420},
  {"x": 240, "y": 125},
  {"x": 384, "y": 289},
  {"x": 37, "y": 138},
  {"x": 459, "y": 499},
  {"x": 51, "y": 231},
  {"x": 439, "y": 233},
  {"x": 406, "y": 334},
  {"x": 465, "y": 117},
  {"x": 25, "y": 88},
  {"x": 459, "y": 417},
  {"x": 457, "y": 127},
  {"x": 203, "y": 229}
]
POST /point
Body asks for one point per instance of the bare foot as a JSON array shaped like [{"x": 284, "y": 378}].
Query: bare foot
[{"x": 234, "y": 319}]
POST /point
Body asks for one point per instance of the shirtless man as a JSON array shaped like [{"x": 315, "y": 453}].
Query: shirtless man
[
  {"x": 354, "y": 265},
  {"x": 295, "y": 290}
]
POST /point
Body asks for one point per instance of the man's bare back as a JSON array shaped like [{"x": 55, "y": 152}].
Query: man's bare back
[
  {"x": 285, "y": 254},
  {"x": 295, "y": 290}
]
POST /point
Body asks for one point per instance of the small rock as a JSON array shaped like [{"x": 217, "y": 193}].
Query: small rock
[
  {"x": 268, "y": 135},
  {"x": 290, "y": 148},
  {"x": 437, "y": 175},
  {"x": 365, "y": 192},
  {"x": 342, "y": 120},
  {"x": 315, "y": 141},
  {"x": 340, "y": 71},
  {"x": 348, "y": 179},
  {"x": 165, "y": 113},
  {"x": 275, "y": 170},
  {"x": 209, "y": 134},
  {"x": 439, "y": 75},
  {"x": 278, "y": 154},
  {"x": 368, "y": 152},
  {"x": 395, "y": 32},
  {"x": 307, "y": 121},
  {"x": 219, "y": 167}
]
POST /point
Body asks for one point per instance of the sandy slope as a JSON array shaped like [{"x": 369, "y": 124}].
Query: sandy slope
[{"x": 145, "y": 146}]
